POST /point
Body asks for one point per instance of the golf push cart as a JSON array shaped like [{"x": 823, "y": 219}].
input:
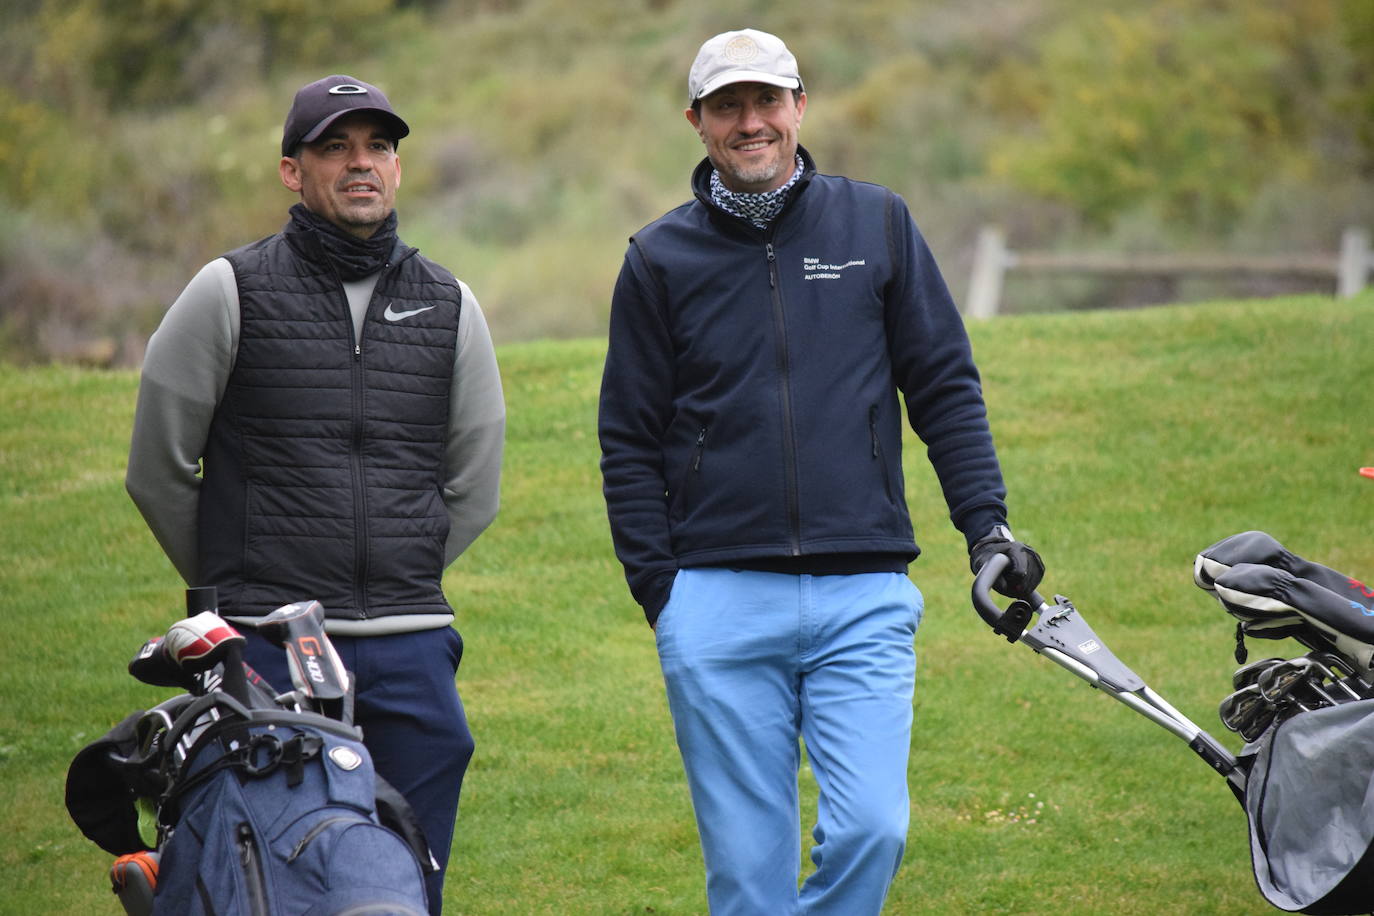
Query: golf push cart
[{"x": 1305, "y": 775}]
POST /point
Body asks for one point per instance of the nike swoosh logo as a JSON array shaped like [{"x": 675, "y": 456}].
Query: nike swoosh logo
[{"x": 392, "y": 315}]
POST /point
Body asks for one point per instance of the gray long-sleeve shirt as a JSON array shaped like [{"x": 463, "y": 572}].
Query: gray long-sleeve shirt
[{"x": 185, "y": 370}]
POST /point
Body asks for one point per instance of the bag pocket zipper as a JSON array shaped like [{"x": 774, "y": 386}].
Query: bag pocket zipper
[{"x": 255, "y": 882}]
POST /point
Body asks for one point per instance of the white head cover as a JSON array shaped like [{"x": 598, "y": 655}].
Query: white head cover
[{"x": 743, "y": 56}]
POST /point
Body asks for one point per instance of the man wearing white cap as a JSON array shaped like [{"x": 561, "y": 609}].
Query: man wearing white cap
[{"x": 751, "y": 456}]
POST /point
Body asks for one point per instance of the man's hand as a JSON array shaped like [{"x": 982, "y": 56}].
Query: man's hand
[{"x": 1024, "y": 572}]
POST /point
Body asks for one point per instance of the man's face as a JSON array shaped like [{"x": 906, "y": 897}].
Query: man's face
[
  {"x": 750, "y": 131},
  {"x": 349, "y": 175}
]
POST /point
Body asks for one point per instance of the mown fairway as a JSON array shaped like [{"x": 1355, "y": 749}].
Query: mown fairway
[{"x": 1130, "y": 440}]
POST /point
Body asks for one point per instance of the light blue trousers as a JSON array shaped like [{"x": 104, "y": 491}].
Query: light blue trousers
[{"x": 752, "y": 661}]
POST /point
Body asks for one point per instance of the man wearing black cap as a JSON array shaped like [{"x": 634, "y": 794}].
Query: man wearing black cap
[
  {"x": 320, "y": 416},
  {"x": 751, "y": 456}
]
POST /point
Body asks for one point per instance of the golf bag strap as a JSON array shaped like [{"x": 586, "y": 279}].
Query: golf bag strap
[
  {"x": 216, "y": 704},
  {"x": 395, "y": 813},
  {"x": 254, "y": 755}
]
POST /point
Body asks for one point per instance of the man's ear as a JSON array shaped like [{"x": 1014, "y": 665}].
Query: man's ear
[
  {"x": 290, "y": 171},
  {"x": 695, "y": 119}
]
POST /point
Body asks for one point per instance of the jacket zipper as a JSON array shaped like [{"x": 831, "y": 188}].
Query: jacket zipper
[
  {"x": 355, "y": 458},
  {"x": 361, "y": 558},
  {"x": 789, "y": 435},
  {"x": 255, "y": 883}
]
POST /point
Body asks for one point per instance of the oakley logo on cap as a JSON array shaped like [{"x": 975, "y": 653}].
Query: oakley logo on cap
[{"x": 348, "y": 89}]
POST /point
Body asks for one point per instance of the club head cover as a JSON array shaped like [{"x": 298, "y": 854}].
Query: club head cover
[
  {"x": 316, "y": 669},
  {"x": 199, "y": 643},
  {"x": 290, "y": 619},
  {"x": 151, "y": 665},
  {"x": 133, "y": 878}
]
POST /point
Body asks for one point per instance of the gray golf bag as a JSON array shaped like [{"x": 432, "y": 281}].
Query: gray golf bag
[
  {"x": 1305, "y": 775},
  {"x": 1308, "y": 722}
]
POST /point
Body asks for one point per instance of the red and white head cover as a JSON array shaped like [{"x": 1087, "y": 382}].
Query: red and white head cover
[{"x": 198, "y": 642}]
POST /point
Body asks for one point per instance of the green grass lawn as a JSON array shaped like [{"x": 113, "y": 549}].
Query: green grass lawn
[{"x": 1130, "y": 440}]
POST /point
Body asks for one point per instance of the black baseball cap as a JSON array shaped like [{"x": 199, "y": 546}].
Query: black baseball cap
[{"x": 322, "y": 102}]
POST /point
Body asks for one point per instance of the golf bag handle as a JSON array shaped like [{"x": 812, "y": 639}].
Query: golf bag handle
[{"x": 1012, "y": 622}]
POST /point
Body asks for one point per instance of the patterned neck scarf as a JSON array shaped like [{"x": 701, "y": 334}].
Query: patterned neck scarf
[{"x": 759, "y": 209}]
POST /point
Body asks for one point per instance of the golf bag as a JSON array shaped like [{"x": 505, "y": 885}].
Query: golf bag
[
  {"x": 1308, "y": 722},
  {"x": 1305, "y": 776},
  {"x": 263, "y": 805}
]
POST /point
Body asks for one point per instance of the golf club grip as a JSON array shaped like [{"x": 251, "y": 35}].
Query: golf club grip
[
  {"x": 233, "y": 680},
  {"x": 201, "y": 598}
]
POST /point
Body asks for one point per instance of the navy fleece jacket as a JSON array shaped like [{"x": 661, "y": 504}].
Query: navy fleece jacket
[{"x": 749, "y": 403}]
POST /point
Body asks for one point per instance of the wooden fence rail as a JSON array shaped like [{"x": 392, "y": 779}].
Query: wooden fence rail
[{"x": 1351, "y": 267}]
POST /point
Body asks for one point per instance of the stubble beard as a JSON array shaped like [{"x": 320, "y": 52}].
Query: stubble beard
[
  {"x": 759, "y": 173},
  {"x": 371, "y": 215},
  {"x": 367, "y": 215},
  {"x": 362, "y": 213}
]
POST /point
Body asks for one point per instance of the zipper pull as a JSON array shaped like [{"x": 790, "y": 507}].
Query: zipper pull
[
  {"x": 772, "y": 259},
  {"x": 357, "y": 351},
  {"x": 701, "y": 447},
  {"x": 245, "y": 843}
]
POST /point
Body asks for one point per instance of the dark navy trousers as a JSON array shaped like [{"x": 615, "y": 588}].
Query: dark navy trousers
[{"x": 412, "y": 720}]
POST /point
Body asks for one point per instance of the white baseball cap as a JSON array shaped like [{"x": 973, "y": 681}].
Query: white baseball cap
[{"x": 743, "y": 56}]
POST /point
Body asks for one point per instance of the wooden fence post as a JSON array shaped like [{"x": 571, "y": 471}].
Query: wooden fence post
[
  {"x": 1352, "y": 267},
  {"x": 1355, "y": 264},
  {"x": 990, "y": 261}
]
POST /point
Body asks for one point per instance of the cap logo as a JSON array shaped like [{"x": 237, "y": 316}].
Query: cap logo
[
  {"x": 348, "y": 89},
  {"x": 741, "y": 49}
]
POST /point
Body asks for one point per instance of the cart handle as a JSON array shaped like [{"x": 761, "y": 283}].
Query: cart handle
[{"x": 1013, "y": 621}]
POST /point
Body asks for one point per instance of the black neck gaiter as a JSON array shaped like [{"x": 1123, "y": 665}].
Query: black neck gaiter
[{"x": 354, "y": 258}]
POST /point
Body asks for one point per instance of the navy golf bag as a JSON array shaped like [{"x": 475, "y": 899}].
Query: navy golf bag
[{"x": 264, "y": 806}]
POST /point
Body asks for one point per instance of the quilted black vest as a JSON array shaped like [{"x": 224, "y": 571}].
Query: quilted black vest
[{"x": 324, "y": 463}]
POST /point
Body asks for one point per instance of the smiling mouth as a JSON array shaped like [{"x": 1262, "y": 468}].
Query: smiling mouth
[
  {"x": 359, "y": 188},
  {"x": 751, "y": 146}
]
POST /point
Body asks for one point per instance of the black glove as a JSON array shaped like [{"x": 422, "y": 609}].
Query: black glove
[{"x": 1021, "y": 577}]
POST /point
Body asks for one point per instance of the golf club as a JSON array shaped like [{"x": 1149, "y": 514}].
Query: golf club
[
  {"x": 152, "y": 665},
  {"x": 1342, "y": 674},
  {"x": 1247, "y": 712},
  {"x": 1295, "y": 687},
  {"x": 1247, "y": 674},
  {"x": 317, "y": 671}
]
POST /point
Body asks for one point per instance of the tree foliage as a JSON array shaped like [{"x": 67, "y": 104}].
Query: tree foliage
[
  {"x": 144, "y": 132},
  {"x": 159, "y": 52},
  {"x": 1181, "y": 106}
]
